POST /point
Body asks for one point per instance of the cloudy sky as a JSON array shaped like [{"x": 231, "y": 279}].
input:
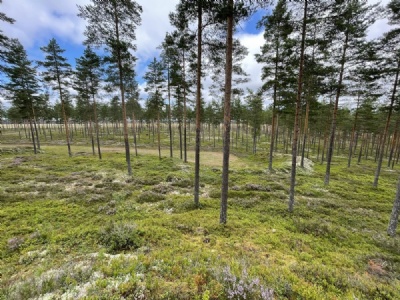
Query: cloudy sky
[{"x": 37, "y": 21}]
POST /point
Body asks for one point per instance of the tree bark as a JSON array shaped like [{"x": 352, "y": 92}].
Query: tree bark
[
  {"x": 296, "y": 120},
  {"x": 382, "y": 150},
  {"x": 198, "y": 107},
  {"x": 394, "y": 217},
  {"x": 227, "y": 115},
  {"x": 169, "y": 116},
  {"x": 96, "y": 124},
  {"x": 335, "y": 110},
  {"x": 122, "y": 91}
]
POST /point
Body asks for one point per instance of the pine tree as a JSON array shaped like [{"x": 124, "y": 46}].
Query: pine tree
[
  {"x": 113, "y": 23},
  {"x": 3, "y": 38},
  {"x": 229, "y": 13},
  {"x": 297, "y": 112},
  {"x": 169, "y": 55},
  {"x": 350, "y": 21},
  {"x": 21, "y": 85},
  {"x": 255, "y": 109},
  {"x": 57, "y": 73},
  {"x": 390, "y": 45},
  {"x": 155, "y": 79},
  {"x": 277, "y": 57},
  {"x": 87, "y": 83}
]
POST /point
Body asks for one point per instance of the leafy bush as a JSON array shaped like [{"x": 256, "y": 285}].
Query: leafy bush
[
  {"x": 150, "y": 196},
  {"x": 120, "y": 236}
]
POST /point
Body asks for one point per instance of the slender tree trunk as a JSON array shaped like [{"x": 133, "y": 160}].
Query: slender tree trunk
[
  {"x": 394, "y": 141},
  {"x": 298, "y": 102},
  {"x": 63, "y": 109},
  {"x": 382, "y": 150},
  {"x": 198, "y": 107},
  {"x": 134, "y": 132},
  {"x": 169, "y": 116},
  {"x": 334, "y": 116},
  {"x": 158, "y": 135},
  {"x": 180, "y": 140},
  {"x": 96, "y": 124},
  {"x": 394, "y": 217},
  {"x": 272, "y": 142},
  {"x": 122, "y": 90},
  {"x": 33, "y": 136},
  {"x": 305, "y": 133},
  {"x": 91, "y": 136},
  {"x": 36, "y": 128},
  {"x": 227, "y": 115},
  {"x": 361, "y": 151},
  {"x": 184, "y": 111}
]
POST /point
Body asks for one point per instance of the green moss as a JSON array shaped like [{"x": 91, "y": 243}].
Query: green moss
[{"x": 58, "y": 212}]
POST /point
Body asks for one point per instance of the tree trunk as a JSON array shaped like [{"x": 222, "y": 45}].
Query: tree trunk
[
  {"x": 394, "y": 217},
  {"x": 96, "y": 124},
  {"x": 382, "y": 150},
  {"x": 198, "y": 107},
  {"x": 134, "y": 132},
  {"x": 394, "y": 141},
  {"x": 227, "y": 115},
  {"x": 353, "y": 131},
  {"x": 298, "y": 102},
  {"x": 305, "y": 133},
  {"x": 33, "y": 136},
  {"x": 158, "y": 135},
  {"x": 169, "y": 116},
  {"x": 122, "y": 90},
  {"x": 180, "y": 140},
  {"x": 334, "y": 116}
]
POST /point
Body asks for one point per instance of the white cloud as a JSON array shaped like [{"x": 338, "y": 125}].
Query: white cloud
[
  {"x": 155, "y": 24},
  {"x": 252, "y": 42},
  {"x": 38, "y": 21}
]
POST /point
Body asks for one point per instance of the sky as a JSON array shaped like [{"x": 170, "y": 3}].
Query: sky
[{"x": 38, "y": 21}]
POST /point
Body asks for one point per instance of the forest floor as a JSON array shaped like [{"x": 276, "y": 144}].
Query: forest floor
[{"x": 80, "y": 227}]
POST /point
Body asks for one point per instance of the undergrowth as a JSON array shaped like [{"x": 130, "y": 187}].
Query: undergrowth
[{"x": 79, "y": 227}]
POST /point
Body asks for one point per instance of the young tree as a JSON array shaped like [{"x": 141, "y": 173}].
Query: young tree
[
  {"x": 187, "y": 11},
  {"x": 155, "y": 79},
  {"x": 22, "y": 84},
  {"x": 180, "y": 77},
  {"x": 230, "y": 12},
  {"x": 350, "y": 21},
  {"x": 87, "y": 83},
  {"x": 57, "y": 73},
  {"x": 298, "y": 103},
  {"x": 169, "y": 55},
  {"x": 391, "y": 70},
  {"x": 277, "y": 59},
  {"x": 255, "y": 109},
  {"x": 113, "y": 23}
]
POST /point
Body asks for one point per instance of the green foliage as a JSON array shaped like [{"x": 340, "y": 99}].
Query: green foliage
[
  {"x": 150, "y": 196},
  {"x": 120, "y": 236},
  {"x": 67, "y": 223}
]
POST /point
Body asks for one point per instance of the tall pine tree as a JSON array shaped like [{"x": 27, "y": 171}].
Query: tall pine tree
[
  {"x": 112, "y": 23},
  {"x": 57, "y": 72}
]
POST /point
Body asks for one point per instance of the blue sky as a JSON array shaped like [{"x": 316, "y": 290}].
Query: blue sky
[{"x": 37, "y": 21}]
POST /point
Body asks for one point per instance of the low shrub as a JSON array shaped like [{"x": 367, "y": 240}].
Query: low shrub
[
  {"x": 150, "y": 196},
  {"x": 120, "y": 236}
]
